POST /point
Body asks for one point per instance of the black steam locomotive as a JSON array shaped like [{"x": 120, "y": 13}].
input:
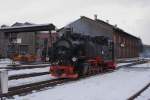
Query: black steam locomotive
[{"x": 74, "y": 55}]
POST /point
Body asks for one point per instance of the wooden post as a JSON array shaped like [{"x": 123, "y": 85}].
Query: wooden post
[{"x": 4, "y": 81}]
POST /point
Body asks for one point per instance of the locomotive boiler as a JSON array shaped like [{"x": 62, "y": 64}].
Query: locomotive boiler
[{"x": 75, "y": 55}]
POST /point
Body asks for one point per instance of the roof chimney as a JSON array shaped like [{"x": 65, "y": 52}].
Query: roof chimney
[
  {"x": 95, "y": 17},
  {"x": 115, "y": 25},
  {"x": 107, "y": 21}
]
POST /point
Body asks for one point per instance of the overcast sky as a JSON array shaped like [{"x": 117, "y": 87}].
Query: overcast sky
[{"x": 133, "y": 16}]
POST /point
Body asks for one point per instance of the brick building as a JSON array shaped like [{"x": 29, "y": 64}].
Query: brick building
[{"x": 125, "y": 44}]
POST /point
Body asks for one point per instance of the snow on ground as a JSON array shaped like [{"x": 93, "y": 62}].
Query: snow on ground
[
  {"x": 35, "y": 65},
  {"x": 5, "y": 62},
  {"x": 118, "y": 85},
  {"x": 145, "y": 95},
  {"x": 29, "y": 80},
  {"x": 147, "y": 65},
  {"x": 121, "y": 64},
  {"x": 37, "y": 70},
  {"x": 129, "y": 59},
  {"x": 28, "y": 71}
]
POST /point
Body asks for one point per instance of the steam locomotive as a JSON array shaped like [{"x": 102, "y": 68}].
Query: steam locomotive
[{"x": 75, "y": 55}]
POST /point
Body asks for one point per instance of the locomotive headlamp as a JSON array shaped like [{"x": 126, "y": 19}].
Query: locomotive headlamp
[{"x": 74, "y": 59}]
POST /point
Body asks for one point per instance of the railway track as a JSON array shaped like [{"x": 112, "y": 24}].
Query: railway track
[
  {"x": 24, "y": 89},
  {"x": 19, "y": 76},
  {"x": 132, "y": 64},
  {"x": 26, "y": 67},
  {"x": 139, "y": 92},
  {"x": 28, "y": 88}
]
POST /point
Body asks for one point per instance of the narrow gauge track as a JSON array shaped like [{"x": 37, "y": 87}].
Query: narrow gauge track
[
  {"x": 25, "y": 89},
  {"x": 20, "y": 67},
  {"x": 134, "y": 63},
  {"x": 19, "y": 76},
  {"x": 26, "y": 67},
  {"x": 29, "y": 64},
  {"x": 45, "y": 73},
  {"x": 139, "y": 92}
]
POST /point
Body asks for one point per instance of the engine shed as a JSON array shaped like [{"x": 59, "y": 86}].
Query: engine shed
[
  {"x": 26, "y": 39},
  {"x": 125, "y": 44}
]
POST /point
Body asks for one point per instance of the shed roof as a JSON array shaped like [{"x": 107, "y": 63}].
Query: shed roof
[
  {"x": 98, "y": 21},
  {"x": 28, "y": 28}
]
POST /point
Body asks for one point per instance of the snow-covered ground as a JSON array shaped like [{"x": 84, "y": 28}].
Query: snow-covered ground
[
  {"x": 28, "y": 71},
  {"x": 11, "y": 83},
  {"x": 118, "y": 85},
  {"x": 37, "y": 70},
  {"x": 147, "y": 65},
  {"x": 29, "y": 80},
  {"x": 32, "y": 79},
  {"x": 121, "y": 64},
  {"x": 5, "y": 62},
  {"x": 35, "y": 65},
  {"x": 129, "y": 59},
  {"x": 145, "y": 95}
]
